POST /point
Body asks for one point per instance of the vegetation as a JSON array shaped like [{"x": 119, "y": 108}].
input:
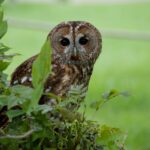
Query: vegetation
[
  {"x": 48, "y": 127},
  {"x": 123, "y": 64}
]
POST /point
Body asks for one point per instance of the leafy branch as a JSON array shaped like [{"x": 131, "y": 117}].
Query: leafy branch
[{"x": 106, "y": 97}]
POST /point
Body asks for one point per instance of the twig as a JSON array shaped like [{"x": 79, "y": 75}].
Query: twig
[{"x": 26, "y": 134}]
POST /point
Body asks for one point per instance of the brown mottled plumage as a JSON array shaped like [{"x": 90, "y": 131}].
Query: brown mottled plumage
[{"x": 75, "y": 47}]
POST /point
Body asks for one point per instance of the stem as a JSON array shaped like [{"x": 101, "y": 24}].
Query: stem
[{"x": 26, "y": 134}]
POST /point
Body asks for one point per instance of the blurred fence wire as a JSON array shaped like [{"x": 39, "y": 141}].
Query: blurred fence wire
[{"x": 109, "y": 33}]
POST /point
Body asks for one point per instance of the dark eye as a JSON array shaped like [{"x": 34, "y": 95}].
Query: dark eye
[
  {"x": 83, "y": 40},
  {"x": 64, "y": 42}
]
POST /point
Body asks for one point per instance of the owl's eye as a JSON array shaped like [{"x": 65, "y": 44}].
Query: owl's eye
[
  {"x": 83, "y": 40},
  {"x": 64, "y": 42}
]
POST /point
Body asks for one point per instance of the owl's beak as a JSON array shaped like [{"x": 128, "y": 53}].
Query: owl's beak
[
  {"x": 74, "y": 55},
  {"x": 74, "y": 51}
]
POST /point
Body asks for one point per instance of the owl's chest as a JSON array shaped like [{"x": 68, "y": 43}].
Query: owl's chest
[
  {"x": 75, "y": 82},
  {"x": 66, "y": 78}
]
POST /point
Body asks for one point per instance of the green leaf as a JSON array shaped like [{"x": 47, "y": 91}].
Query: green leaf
[
  {"x": 3, "y": 65},
  {"x": 36, "y": 95},
  {"x": 111, "y": 94},
  {"x": 7, "y": 57},
  {"x": 1, "y": 14},
  {"x": 42, "y": 65},
  {"x": 19, "y": 95},
  {"x": 3, "y": 28},
  {"x": 3, "y": 81},
  {"x": 114, "y": 93},
  {"x": 22, "y": 91},
  {"x": 3, "y": 100},
  {"x": 13, "y": 101},
  {"x": 3, "y": 48},
  {"x": 40, "y": 70},
  {"x": 14, "y": 113},
  {"x": 97, "y": 104},
  {"x": 44, "y": 108}
]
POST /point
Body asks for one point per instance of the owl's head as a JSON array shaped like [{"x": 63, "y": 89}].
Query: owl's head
[{"x": 75, "y": 42}]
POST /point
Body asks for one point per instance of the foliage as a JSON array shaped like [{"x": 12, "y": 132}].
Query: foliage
[
  {"x": 108, "y": 96},
  {"x": 43, "y": 126}
]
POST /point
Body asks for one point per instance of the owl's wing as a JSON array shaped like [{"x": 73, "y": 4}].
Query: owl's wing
[{"x": 22, "y": 74}]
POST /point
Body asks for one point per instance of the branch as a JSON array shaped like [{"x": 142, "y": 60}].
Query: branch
[{"x": 26, "y": 134}]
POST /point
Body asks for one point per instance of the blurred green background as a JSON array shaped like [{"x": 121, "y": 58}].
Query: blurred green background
[{"x": 124, "y": 63}]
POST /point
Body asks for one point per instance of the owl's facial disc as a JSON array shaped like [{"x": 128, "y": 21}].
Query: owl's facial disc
[{"x": 76, "y": 42}]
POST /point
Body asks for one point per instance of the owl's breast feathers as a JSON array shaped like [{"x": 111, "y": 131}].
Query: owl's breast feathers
[{"x": 59, "y": 82}]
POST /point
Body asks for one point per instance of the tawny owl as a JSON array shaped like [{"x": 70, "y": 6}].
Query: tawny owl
[{"x": 75, "y": 47}]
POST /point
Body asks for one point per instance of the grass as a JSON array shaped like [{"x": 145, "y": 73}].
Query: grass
[{"x": 123, "y": 64}]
